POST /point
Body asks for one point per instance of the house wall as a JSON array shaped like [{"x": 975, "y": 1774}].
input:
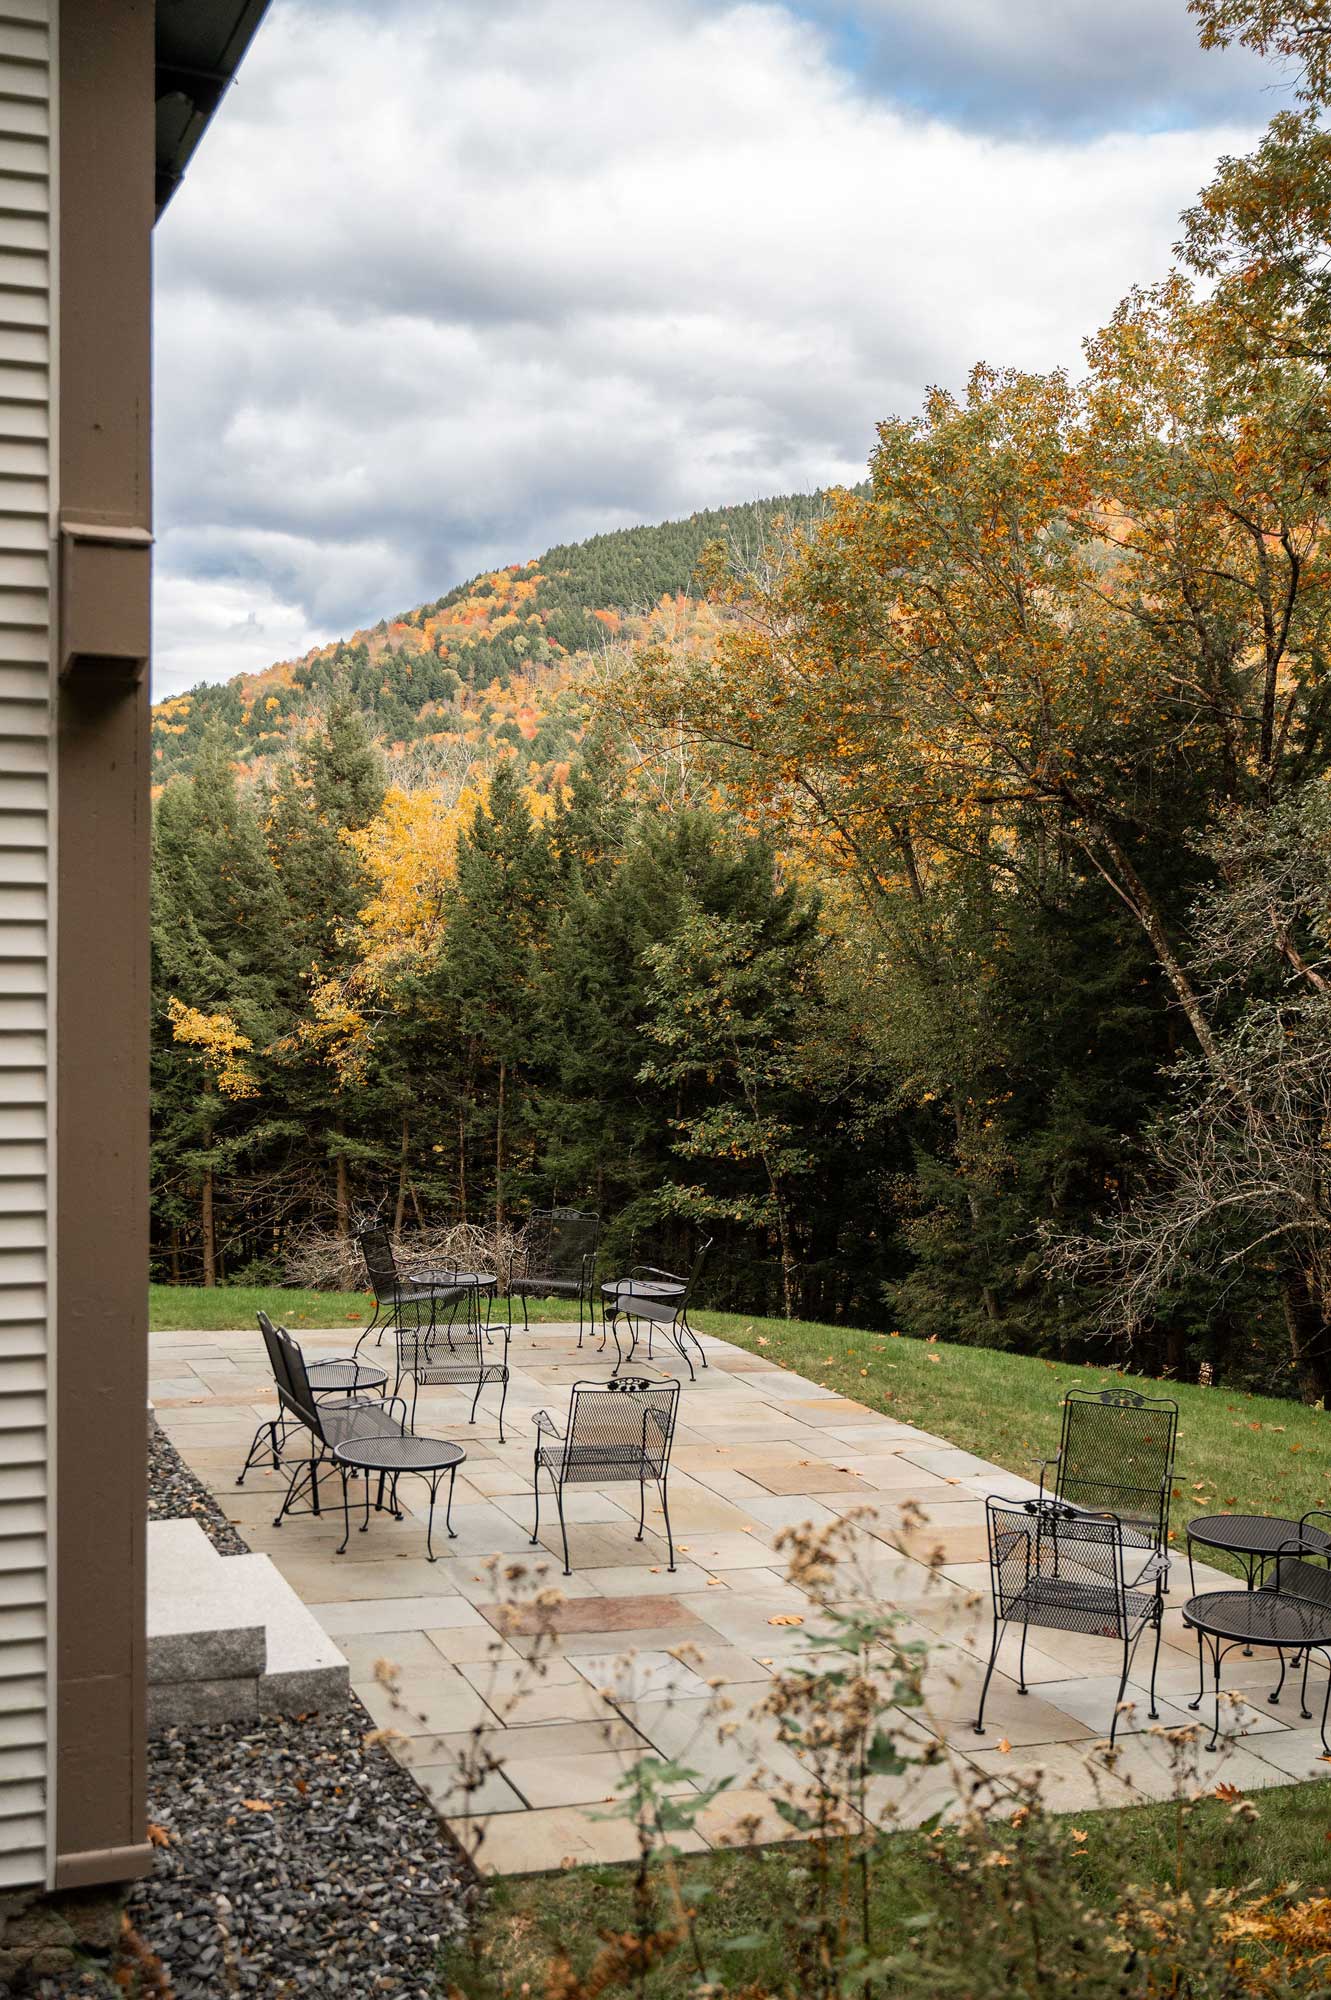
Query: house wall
[
  {"x": 76, "y": 212},
  {"x": 27, "y": 497},
  {"x": 106, "y": 196}
]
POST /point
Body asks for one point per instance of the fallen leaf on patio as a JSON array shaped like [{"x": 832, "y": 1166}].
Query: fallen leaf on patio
[
  {"x": 256, "y": 1805},
  {"x": 713, "y": 1583},
  {"x": 158, "y": 1835},
  {"x": 786, "y": 1618},
  {"x": 1003, "y": 1746},
  {"x": 767, "y": 1663}
]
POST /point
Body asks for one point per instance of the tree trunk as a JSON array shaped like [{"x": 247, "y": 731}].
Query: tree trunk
[
  {"x": 209, "y": 1235},
  {"x": 343, "y": 1199},
  {"x": 499, "y": 1157},
  {"x": 1309, "y": 1336},
  {"x": 400, "y": 1213},
  {"x": 462, "y": 1161},
  {"x": 175, "y": 1253}
]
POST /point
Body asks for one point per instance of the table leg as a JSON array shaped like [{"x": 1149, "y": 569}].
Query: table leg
[
  {"x": 365, "y": 1524},
  {"x": 1253, "y": 1566},
  {"x": 1326, "y": 1703},
  {"x": 430, "y": 1556},
  {"x": 1194, "y": 1705},
  {"x": 448, "y": 1511}
]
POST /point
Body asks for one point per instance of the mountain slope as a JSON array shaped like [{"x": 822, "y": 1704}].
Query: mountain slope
[{"x": 491, "y": 662}]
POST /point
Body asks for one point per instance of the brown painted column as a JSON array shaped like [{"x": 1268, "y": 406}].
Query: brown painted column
[{"x": 101, "y": 1241}]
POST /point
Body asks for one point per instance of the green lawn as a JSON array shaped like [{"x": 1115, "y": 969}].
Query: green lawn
[
  {"x": 526, "y": 1919},
  {"x": 1254, "y": 1454}
]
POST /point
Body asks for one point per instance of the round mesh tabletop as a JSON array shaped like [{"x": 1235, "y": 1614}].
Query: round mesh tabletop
[
  {"x": 1260, "y": 1617},
  {"x": 346, "y": 1375},
  {"x": 1254, "y": 1534},
  {"x": 399, "y": 1454}
]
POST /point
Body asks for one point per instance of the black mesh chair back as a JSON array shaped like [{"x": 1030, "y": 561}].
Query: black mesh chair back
[
  {"x": 1117, "y": 1457},
  {"x": 695, "y": 1272},
  {"x": 270, "y": 1341},
  {"x": 559, "y": 1240},
  {"x": 1054, "y": 1566},
  {"x": 620, "y": 1430},
  {"x": 293, "y": 1385},
  {"x": 376, "y": 1247}
]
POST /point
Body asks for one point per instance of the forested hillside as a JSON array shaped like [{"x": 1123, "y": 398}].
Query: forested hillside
[{"x": 489, "y": 663}]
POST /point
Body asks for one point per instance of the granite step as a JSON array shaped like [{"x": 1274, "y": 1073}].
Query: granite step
[{"x": 228, "y": 1637}]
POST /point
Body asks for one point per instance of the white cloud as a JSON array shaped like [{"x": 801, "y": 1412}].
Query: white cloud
[{"x": 449, "y": 284}]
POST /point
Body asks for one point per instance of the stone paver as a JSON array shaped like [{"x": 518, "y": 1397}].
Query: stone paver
[{"x": 643, "y": 1655}]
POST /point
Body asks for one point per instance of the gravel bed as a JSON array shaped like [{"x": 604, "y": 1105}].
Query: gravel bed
[
  {"x": 294, "y": 1858},
  {"x": 175, "y": 1494}
]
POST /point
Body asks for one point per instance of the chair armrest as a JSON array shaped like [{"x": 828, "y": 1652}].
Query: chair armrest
[
  {"x": 400, "y": 1401},
  {"x": 655, "y": 1271},
  {"x": 546, "y": 1423},
  {"x": 656, "y": 1417}
]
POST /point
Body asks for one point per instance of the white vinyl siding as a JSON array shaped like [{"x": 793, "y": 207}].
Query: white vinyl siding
[{"x": 26, "y": 875}]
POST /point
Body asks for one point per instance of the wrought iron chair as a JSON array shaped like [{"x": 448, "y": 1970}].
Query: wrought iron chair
[
  {"x": 326, "y": 1426},
  {"x": 557, "y": 1260},
  {"x": 1116, "y": 1456},
  {"x": 1302, "y": 1569},
  {"x": 393, "y": 1288},
  {"x": 449, "y": 1352},
  {"x": 355, "y": 1381},
  {"x": 616, "y": 1430},
  {"x": 1055, "y": 1566},
  {"x": 655, "y": 1298}
]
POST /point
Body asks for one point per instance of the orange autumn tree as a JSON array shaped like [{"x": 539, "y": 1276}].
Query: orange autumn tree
[{"x": 1069, "y": 618}]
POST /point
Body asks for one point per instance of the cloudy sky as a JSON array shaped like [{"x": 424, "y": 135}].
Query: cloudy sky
[{"x": 452, "y": 280}]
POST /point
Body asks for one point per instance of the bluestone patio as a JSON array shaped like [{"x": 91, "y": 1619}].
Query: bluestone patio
[{"x": 757, "y": 1449}]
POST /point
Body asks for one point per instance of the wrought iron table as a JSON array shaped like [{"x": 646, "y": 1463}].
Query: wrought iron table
[
  {"x": 1228, "y": 1618},
  {"x": 345, "y": 1378},
  {"x": 390, "y": 1457},
  {"x": 1255, "y": 1539}
]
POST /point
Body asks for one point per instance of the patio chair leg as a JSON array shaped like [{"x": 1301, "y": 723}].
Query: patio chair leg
[
  {"x": 271, "y": 1430},
  {"x": 614, "y": 1334},
  {"x": 341, "y": 1548},
  {"x": 1304, "y": 1709},
  {"x": 1326, "y": 1703},
  {"x": 503, "y": 1398},
  {"x": 314, "y": 1486},
  {"x": 298, "y": 1473},
  {"x": 999, "y": 1629},
  {"x": 1153, "y": 1712},
  {"x": 670, "y": 1539},
  {"x": 642, "y": 1509},
  {"x": 474, "y": 1401},
  {"x": 563, "y": 1531},
  {"x": 1118, "y": 1698},
  {"x": 430, "y": 1555},
  {"x": 694, "y": 1338},
  {"x": 1021, "y": 1664},
  {"x": 448, "y": 1510},
  {"x": 536, "y": 1497}
]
